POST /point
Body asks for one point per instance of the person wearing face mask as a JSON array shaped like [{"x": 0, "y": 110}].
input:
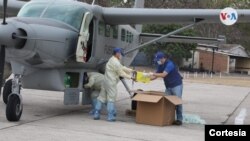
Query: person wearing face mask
[
  {"x": 114, "y": 70},
  {"x": 167, "y": 70}
]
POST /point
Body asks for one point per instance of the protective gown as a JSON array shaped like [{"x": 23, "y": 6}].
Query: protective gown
[{"x": 114, "y": 70}]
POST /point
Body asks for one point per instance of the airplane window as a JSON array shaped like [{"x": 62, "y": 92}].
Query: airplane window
[
  {"x": 68, "y": 14},
  {"x": 131, "y": 37},
  {"x": 101, "y": 28},
  {"x": 128, "y": 36},
  {"x": 32, "y": 10},
  {"x": 107, "y": 30},
  {"x": 123, "y": 35},
  {"x": 115, "y": 31}
]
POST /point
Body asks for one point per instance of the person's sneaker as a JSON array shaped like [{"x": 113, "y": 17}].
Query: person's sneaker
[
  {"x": 177, "y": 122},
  {"x": 111, "y": 117},
  {"x": 111, "y": 120},
  {"x": 96, "y": 115}
]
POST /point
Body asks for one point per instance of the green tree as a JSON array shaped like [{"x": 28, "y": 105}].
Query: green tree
[
  {"x": 236, "y": 34},
  {"x": 177, "y": 51}
]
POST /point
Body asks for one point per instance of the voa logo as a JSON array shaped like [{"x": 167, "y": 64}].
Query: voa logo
[{"x": 228, "y": 16}]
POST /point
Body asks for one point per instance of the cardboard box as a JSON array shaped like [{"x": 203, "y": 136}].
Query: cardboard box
[{"x": 155, "y": 108}]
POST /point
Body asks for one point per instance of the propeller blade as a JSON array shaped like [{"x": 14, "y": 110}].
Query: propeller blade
[
  {"x": 2, "y": 62},
  {"x": 4, "y": 11}
]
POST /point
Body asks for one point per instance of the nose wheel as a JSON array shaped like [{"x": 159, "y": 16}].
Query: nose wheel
[
  {"x": 14, "y": 105},
  {"x": 14, "y": 108}
]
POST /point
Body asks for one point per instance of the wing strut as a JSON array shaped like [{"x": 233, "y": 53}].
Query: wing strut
[{"x": 196, "y": 21}]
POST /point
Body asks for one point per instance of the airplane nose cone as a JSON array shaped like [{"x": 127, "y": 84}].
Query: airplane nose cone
[
  {"x": 6, "y": 32},
  {"x": 7, "y": 38}
]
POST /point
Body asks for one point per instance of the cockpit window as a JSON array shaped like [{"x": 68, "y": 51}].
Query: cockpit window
[
  {"x": 32, "y": 10},
  {"x": 69, "y": 14}
]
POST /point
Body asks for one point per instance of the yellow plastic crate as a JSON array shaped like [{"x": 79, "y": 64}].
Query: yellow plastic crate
[{"x": 142, "y": 78}]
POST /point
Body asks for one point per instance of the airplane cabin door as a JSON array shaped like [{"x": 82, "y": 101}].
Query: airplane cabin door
[{"x": 82, "y": 48}]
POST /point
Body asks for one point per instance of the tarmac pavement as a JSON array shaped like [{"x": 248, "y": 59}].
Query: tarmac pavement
[{"x": 46, "y": 118}]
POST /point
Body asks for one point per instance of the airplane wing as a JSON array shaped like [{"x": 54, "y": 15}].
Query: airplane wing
[
  {"x": 13, "y": 7},
  {"x": 147, "y": 15}
]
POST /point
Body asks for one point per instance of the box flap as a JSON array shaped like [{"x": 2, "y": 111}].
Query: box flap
[
  {"x": 150, "y": 92},
  {"x": 156, "y": 93},
  {"x": 174, "y": 99},
  {"x": 147, "y": 98}
]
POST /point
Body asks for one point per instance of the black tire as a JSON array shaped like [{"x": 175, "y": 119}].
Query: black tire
[
  {"x": 7, "y": 90},
  {"x": 13, "y": 112}
]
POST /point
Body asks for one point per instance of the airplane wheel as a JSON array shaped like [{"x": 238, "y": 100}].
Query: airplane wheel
[
  {"x": 13, "y": 112},
  {"x": 7, "y": 90}
]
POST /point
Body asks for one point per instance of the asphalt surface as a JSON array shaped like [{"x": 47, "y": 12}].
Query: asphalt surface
[{"x": 46, "y": 118}]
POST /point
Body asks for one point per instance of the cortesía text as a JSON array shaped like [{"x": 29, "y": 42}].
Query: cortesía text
[{"x": 213, "y": 132}]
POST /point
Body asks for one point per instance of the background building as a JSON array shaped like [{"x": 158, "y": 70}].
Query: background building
[{"x": 227, "y": 58}]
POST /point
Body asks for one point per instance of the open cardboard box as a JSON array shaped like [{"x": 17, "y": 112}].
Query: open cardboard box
[{"x": 155, "y": 108}]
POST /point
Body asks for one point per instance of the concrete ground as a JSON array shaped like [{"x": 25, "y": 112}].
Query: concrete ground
[{"x": 46, "y": 118}]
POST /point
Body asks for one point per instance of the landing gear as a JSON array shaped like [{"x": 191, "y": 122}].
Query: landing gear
[
  {"x": 14, "y": 106},
  {"x": 7, "y": 90}
]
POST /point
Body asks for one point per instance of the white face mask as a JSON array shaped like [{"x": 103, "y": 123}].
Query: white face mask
[{"x": 159, "y": 62}]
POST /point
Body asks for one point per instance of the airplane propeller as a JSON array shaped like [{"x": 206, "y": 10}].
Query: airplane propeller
[
  {"x": 4, "y": 11},
  {"x": 2, "y": 62},
  {"x": 2, "y": 48}
]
